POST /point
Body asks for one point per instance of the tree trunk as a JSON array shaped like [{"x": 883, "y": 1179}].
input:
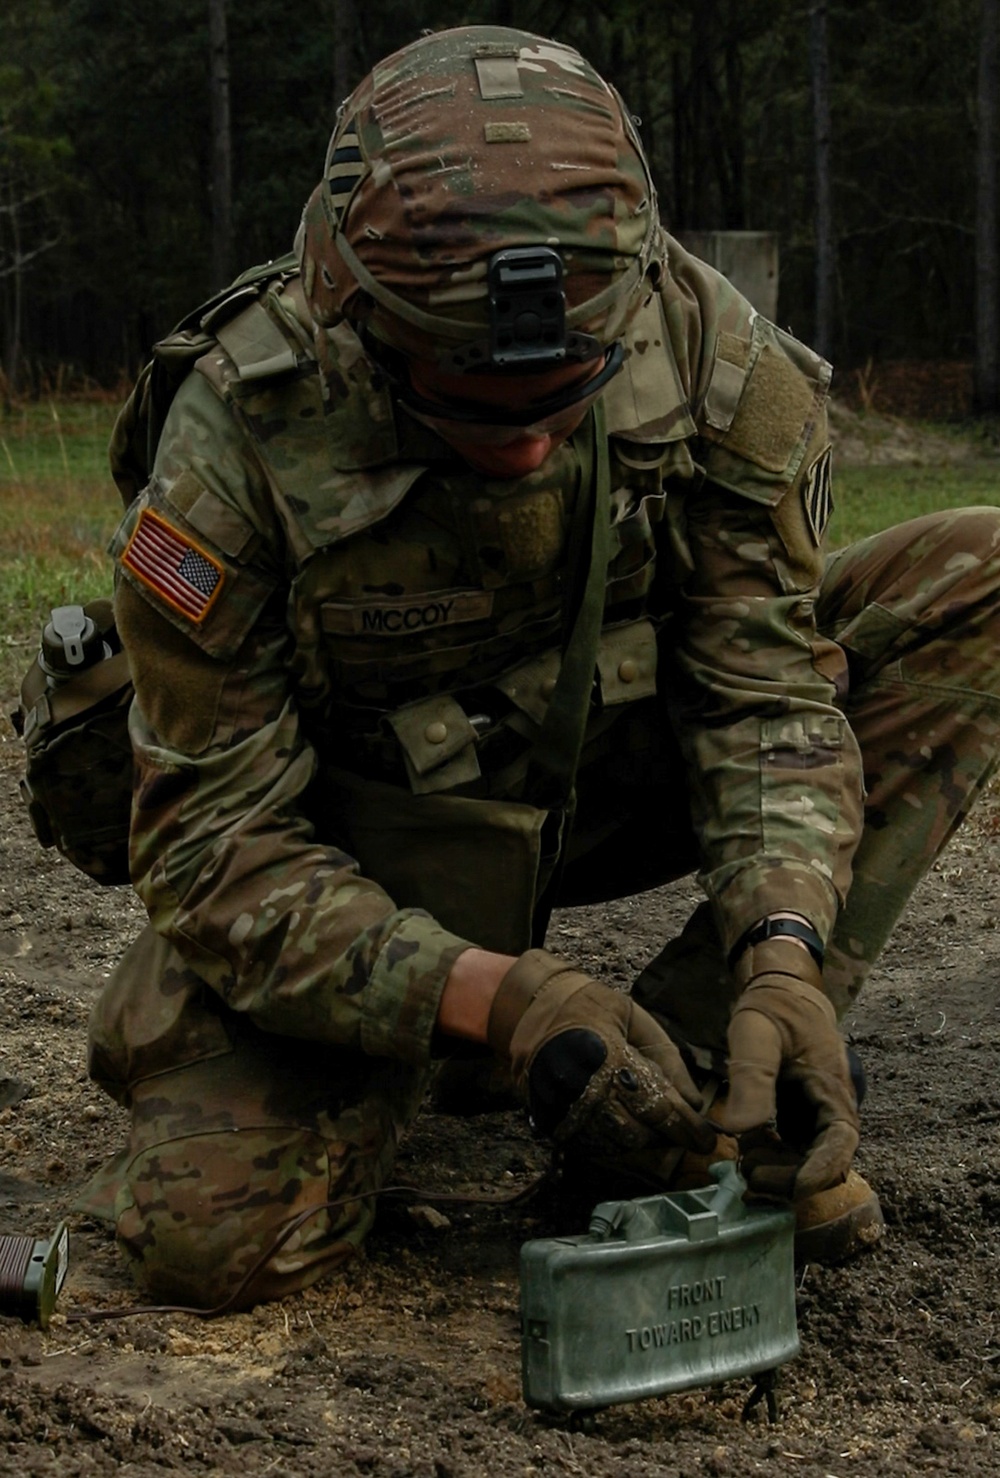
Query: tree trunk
[
  {"x": 222, "y": 145},
  {"x": 345, "y": 30},
  {"x": 987, "y": 372},
  {"x": 11, "y": 363},
  {"x": 826, "y": 251}
]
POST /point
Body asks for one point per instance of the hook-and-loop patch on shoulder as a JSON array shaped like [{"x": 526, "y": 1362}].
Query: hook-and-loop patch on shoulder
[
  {"x": 763, "y": 412},
  {"x": 173, "y": 566}
]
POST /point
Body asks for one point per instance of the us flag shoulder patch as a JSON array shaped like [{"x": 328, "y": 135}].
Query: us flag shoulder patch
[
  {"x": 172, "y": 566},
  {"x": 817, "y": 494}
]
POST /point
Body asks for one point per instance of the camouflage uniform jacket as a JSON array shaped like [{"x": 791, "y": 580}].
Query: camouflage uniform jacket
[{"x": 343, "y": 641}]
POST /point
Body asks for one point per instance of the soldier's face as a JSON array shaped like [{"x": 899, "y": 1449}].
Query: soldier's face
[{"x": 510, "y": 451}]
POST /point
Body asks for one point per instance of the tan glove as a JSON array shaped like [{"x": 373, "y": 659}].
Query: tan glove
[
  {"x": 783, "y": 1025},
  {"x": 595, "y": 1067}
]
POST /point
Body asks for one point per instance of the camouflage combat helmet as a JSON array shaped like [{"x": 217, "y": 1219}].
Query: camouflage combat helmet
[{"x": 478, "y": 173}]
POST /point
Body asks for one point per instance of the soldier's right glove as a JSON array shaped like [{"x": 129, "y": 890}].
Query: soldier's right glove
[
  {"x": 783, "y": 1026},
  {"x": 595, "y": 1067}
]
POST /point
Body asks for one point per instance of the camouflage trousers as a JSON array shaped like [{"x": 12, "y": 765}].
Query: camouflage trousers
[
  {"x": 241, "y": 1136},
  {"x": 917, "y": 610},
  {"x": 235, "y": 1133}
]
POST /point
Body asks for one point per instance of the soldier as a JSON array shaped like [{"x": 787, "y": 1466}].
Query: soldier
[{"x": 481, "y": 569}]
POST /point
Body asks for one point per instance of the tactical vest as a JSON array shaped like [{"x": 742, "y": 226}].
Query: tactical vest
[
  {"x": 418, "y": 588},
  {"x": 427, "y": 606},
  {"x": 426, "y": 599}
]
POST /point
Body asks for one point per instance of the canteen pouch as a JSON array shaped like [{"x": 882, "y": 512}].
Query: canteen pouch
[
  {"x": 78, "y": 758},
  {"x": 477, "y": 865}
]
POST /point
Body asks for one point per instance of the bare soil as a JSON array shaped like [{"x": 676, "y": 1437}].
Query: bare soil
[
  {"x": 881, "y": 438},
  {"x": 409, "y": 1362}
]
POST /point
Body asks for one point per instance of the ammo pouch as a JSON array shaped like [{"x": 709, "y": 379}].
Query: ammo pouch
[
  {"x": 78, "y": 773},
  {"x": 477, "y": 866},
  {"x": 481, "y": 867}
]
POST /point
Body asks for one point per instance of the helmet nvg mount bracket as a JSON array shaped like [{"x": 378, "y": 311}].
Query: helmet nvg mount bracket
[{"x": 528, "y": 312}]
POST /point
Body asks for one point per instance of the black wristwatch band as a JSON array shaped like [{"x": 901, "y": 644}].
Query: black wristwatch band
[{"x": 771, "y": 929}]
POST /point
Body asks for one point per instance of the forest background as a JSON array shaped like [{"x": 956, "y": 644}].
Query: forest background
[{"x": 150, "y": 152}]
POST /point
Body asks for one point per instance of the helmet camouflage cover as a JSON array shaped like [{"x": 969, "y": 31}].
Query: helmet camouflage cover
[{"x": 466, "y": 143}]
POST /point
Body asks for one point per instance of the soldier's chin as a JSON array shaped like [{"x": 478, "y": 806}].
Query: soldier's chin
[{"x": 515, "y": 459}]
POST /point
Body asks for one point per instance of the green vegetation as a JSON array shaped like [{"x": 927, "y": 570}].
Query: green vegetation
[
  {"x": 867, "y": 499},
  {"x": 105, "y": 164},
  {"x": 58, "y": 508}
]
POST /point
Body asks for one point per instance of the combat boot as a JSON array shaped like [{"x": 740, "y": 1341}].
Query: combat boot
[
  {"x": 691, "y": 993},
  {"x": 838, "y": 1223},
  {"x": 830, "y": 1226}
]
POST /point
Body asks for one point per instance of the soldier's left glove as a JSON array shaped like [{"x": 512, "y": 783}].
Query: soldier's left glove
[
  {"x": 784, "y": 1026},
  {"x": 596, "y": 1069}
]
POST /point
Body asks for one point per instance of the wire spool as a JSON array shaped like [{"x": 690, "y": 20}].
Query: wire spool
[{"x": 31, "y": 1274}]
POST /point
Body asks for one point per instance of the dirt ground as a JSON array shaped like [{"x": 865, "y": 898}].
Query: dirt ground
[{"x": 409, "y": 1362}]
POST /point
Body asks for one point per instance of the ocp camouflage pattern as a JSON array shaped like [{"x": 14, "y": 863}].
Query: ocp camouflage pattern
[
  {"x": 333, "y": 767},
  {"x": 916, "y": 612},
  {"x": 294, "y": 674},
  {"x": 456, "y": 147}
]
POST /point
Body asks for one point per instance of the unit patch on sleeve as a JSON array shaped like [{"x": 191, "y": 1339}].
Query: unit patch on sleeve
[
  {"x": 173, "y": 567},
  {"x": 817, "y": 494}
]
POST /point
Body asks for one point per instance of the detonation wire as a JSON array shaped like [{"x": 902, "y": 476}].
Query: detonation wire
[{"x": 513, "y": 1198}]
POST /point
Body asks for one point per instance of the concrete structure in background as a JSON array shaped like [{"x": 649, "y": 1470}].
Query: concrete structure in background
[{"x": 748, "y": 258}]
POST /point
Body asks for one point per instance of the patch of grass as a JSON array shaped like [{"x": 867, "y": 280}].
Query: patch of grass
[
  {"x": 48, "y": 439},
  {"x": 58, "y": 508},
  {"x": 867, "y": 499}
]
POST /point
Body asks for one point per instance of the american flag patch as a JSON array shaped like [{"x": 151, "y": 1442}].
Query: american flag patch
[
  {"x": 178, "y": 571},
  {"x": 817, "y": 494}
]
